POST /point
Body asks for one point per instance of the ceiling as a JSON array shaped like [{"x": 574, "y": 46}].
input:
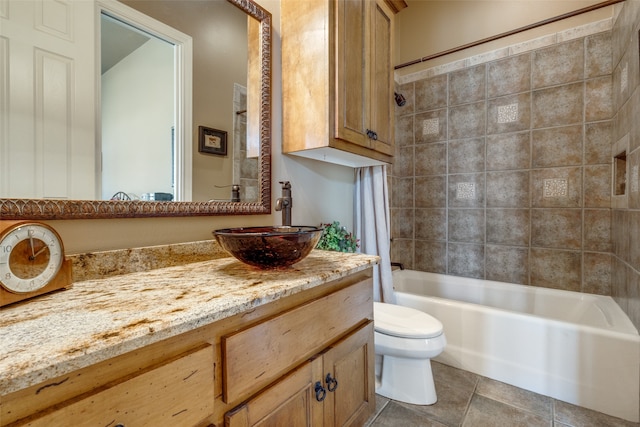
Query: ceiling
[{"x": 118, "y": 41}]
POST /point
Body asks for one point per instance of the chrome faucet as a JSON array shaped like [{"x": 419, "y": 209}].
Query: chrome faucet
[{"x": 284, "y": 203}]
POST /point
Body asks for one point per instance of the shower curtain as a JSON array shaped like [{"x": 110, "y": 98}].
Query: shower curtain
[{"x": 372, "y": 226}]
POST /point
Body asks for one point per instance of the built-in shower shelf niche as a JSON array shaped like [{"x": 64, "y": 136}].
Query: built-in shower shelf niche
[{"x": 620, "y": 174}]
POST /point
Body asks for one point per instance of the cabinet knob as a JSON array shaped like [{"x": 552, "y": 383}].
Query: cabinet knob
[
  {"x": 372, "y": 135},
  {"x": 332, "y": 383},
  {"x": 321, "y": 393}
]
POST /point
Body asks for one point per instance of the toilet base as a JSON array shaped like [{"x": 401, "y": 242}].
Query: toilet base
[{"x": 407, "y": 380}]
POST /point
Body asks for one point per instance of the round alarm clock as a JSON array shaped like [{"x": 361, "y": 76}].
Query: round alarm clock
[{"x": 32, "y": 261}]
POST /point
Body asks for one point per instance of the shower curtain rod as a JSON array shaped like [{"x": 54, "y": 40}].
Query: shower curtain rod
[{"x": 512, "y": 32}]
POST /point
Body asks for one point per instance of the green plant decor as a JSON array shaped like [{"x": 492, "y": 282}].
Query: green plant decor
[{"x": 337, "y": 238}]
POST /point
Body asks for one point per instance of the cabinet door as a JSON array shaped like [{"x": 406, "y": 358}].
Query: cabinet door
[
  {"x": 290, "y": 402},
  {"x": 381, "y": 95},
  {"x": 350, "y": 362},
  {"x": 363, "y": 72},
  {"x": 352, "y": 77}
]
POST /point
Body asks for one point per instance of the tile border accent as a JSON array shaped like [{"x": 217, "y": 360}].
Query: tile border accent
[{"x": 515, "y": 49}]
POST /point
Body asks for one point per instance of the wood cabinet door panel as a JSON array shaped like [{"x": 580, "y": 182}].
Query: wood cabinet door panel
[
  {"x": 351, "y": 363},
  {"x": 179, "y": 392},
  {"x": 290, "y": 402},
  {"x": 352, "y": 80},
  {"x": 381, "y": 98}
]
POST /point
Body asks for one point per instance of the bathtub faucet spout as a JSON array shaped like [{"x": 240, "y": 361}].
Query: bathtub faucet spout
[{"x": 397, "y": 264}]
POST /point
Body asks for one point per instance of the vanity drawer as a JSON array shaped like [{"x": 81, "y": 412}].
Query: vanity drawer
[
  {"x": 254, "y": 357},
  {"x": 177, "y": 392}
]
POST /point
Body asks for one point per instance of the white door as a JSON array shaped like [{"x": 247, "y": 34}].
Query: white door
[{"x": 48, "y": 88}]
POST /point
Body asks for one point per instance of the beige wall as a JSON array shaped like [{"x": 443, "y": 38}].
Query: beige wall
[{"x": 429, "y": 27}]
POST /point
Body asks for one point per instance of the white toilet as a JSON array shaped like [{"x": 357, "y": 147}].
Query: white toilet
[{"x": 406, "y": 339}]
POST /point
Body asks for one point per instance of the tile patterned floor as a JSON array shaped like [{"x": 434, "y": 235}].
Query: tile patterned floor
[{"x": 469, "y": 400}]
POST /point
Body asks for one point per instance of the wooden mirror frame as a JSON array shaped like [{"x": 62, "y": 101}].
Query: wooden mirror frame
[{"x": 89, "y": 209}]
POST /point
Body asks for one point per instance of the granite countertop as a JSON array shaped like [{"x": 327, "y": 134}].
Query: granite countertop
[{"x": 99, "y": 319}]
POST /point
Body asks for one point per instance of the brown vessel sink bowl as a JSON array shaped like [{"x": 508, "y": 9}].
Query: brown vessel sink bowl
[{"x": 269, "y": 246}]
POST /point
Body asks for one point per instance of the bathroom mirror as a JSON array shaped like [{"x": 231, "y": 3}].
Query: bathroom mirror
[{"x": 259, "y": 77}]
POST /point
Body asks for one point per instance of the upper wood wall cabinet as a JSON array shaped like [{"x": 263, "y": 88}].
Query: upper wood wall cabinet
[{"x": 337, "y": 80}]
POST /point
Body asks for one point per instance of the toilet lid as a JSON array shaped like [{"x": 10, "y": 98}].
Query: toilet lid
[{"x": 404, "y": 322}]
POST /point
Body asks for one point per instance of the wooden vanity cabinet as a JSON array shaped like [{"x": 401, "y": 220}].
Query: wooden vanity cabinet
[
  {"x": 337, "y": 79},
  {"x": 265, "y": 360}
]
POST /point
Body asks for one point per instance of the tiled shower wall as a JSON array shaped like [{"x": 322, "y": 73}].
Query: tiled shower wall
[
  {"x": 626, "y": 137},
  {"x": 503, "y": 168}
]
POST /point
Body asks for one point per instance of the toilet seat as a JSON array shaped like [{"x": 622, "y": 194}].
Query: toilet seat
[{"x": 404, "y": 322}]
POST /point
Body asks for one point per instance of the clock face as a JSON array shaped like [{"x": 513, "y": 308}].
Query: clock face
[{"x": 30, "y": 256}]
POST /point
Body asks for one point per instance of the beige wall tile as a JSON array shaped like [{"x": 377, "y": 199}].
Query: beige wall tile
[
  {"x": 545, "y": 195},
  {"x": 509, "y": 76},
  {"x": 467, "y": 85},
  {"x": 467, "y": 121},
  {"x": 558, "y": 64},
  {"x": 508, "y": 189},
  {"x": 597, "y": 186},
  {"x": 431, "y": 256},
  {"x": 431, "y": 159},
  {"x": 508, "y": 226},
  {"x": 507, "y": 264},
  {"x": 557, "y": 269},
  {"x": 509, "y": 113},
  {"x": 598, "y": 55},
  {"x": 466, "y": 190},
  {"x": 597, "y": 142},
  {"x": 466, "y": 155},
  {"x": 509, "y": 151},
  {"x": 404, "y": 131},
  {"x": 431, "y": 94},
  {"x": 430, "y": 126},
  {"x": 598, "y": 101},
  {"x": 597, "y": 230},
  {"x": 561, "y": 146},
  {"x": 556, "y": 228},
  {"x": 431, "y": 224},
  {"x": 597, "y": 273},
  {"x": 465, "y": 260},
  {"x": 466, "y": 225},
  {"x": 558, "y": 106},
  {"x": 432, "y": 192}
]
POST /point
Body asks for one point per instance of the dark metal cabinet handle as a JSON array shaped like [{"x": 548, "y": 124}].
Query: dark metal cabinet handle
[
  {"x": 332, "y": 383},
  {"x": 321, "y": 393}
]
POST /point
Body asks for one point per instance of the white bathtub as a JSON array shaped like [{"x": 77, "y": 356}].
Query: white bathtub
[{"x": 579, "y": 348}]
